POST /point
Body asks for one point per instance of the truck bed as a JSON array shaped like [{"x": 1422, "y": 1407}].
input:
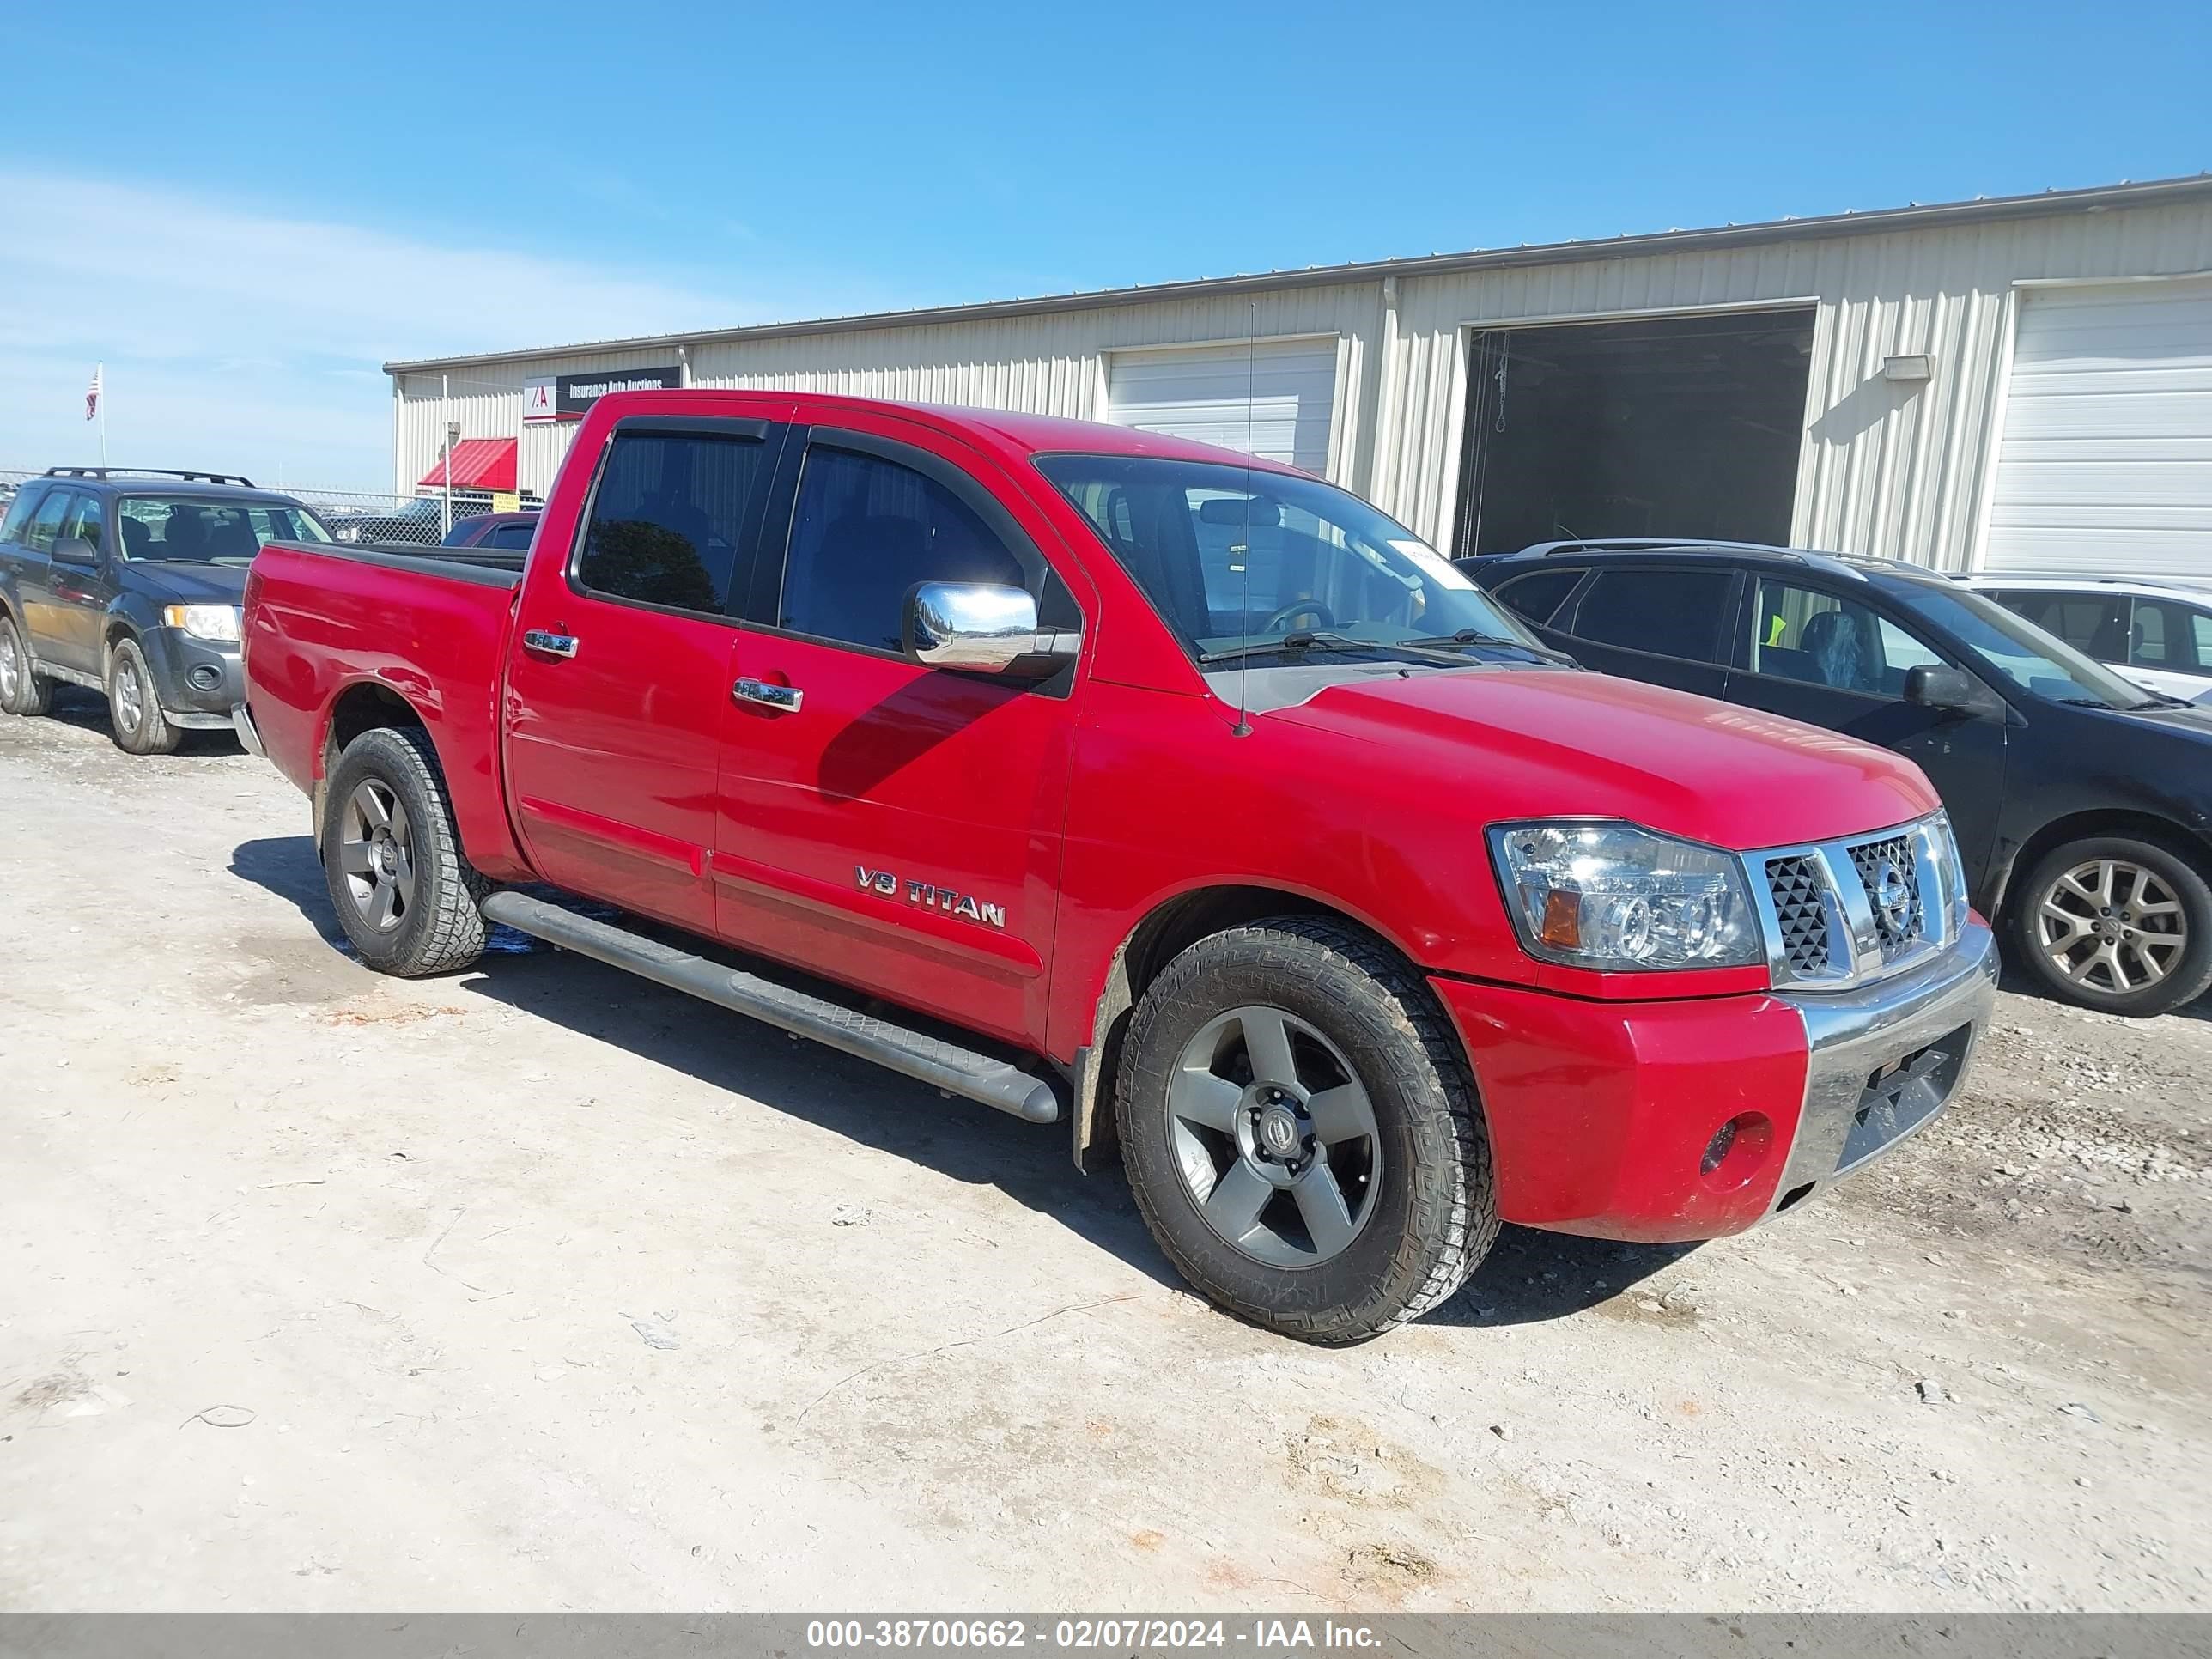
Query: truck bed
[{"x": 330, "y": 627}]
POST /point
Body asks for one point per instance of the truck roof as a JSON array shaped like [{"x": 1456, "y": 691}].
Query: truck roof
[{"x": 1003, "y": 431}]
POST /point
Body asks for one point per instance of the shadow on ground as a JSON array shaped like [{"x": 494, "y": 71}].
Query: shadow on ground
[{"x": 73, "y": 705}]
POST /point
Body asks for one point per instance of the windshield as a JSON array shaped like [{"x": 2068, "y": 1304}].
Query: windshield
[
  {"x": 2039, "y": 663},
  {"x": 196, "y": 530},
  {"x": 1233, "y": 557}
]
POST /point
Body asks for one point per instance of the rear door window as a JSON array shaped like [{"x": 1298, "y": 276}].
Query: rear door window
[
  {"x": 19, "y": 512},
  {"x": 1666, "y": 612},
  {"x": 1537, "y": 597},
  {"x": 671, "y": 516}
]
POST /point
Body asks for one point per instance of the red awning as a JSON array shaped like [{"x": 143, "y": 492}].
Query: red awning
[{"x": 478, "y": 463}]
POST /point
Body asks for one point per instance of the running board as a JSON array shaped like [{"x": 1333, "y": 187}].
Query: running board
[{"x": 911, "y": 1053}]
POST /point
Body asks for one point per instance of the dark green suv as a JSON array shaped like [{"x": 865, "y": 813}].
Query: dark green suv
[{"x": 129, "y": 582}]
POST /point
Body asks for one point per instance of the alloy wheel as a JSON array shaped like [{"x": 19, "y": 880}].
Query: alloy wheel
[
  {"x": 376, "y": 855},
  {"x": 1274, "y": 1137},
  {"x": 130, "y": 696},
  {"x": 2111, "y": 926},
  {"x": 11, "y": 666}
]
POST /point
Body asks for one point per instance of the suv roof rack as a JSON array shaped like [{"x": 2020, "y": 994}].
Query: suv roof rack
[
  {"x": 1835, "y": 564},
  {"x": 149, "y": 472}
]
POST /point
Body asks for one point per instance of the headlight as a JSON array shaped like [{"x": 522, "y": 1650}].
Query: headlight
[
  {"x": 1611, "y": 896},
  {"x": 204, "y": 621},
  {"x": 347, "y": 533}
]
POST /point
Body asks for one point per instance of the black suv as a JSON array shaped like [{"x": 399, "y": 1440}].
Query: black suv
[
  {"x": 129, "y": 582},
  {"x": 2083, "y": 803}
]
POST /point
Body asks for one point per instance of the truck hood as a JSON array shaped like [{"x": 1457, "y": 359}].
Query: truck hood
[
  {"x": 1547, "y": 743},
  {"x": 189, "y": 581}
]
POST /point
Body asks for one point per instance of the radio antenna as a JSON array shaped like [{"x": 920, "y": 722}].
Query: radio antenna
[{"x": 1243, "y": 726}]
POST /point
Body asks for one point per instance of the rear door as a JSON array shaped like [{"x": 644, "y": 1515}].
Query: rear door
[
  {"x": 894, "y": 827},
  {"x": 34, "y": 578},
  {"x": 619, "y": 679},
  {"x": 1831, "y": 658},
  {"x": 1664, "y": 624}
]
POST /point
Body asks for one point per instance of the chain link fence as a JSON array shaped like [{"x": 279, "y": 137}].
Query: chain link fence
[{"x": 351, "y": 515}]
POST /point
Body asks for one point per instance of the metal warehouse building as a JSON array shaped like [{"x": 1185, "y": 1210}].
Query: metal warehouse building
[{"x": 2017, "y": 383}]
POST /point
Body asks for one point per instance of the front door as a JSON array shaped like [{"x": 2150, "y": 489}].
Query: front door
[
  {"x": 894, "y": 827},
  {"x": 82, "y": 591},
  {"x": 618, "y": 685},
  {"x": 1821, "y": 657}
]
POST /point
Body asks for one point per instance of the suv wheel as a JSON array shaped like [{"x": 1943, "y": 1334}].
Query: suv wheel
[
  {"x": 406, "y": 894},
  {"x": 21, "y": 691},
  {"x": 134, "y": 708},
  {"x": 1301, "y": 1132},
  {"x": 2116, "y": 923}
]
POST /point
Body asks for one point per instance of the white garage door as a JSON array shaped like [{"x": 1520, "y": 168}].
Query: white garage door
[
  {"x": 2106, "y": 460},
  {"x": 1272, "y": 400}
]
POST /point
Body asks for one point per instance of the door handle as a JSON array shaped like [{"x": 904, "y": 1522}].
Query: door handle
[
  {"x": 549, "y": 644},
  {"x": 785, "y": 697}
]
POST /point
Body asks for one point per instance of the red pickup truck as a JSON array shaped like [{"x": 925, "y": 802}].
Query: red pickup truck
[{"x": 1105, "y": 777}]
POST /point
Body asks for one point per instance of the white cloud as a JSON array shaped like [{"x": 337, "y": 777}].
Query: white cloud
[{"x": 250, "y": 341}]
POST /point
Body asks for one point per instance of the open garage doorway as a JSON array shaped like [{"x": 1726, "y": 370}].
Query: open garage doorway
[{"x": 1675, "y": 426}]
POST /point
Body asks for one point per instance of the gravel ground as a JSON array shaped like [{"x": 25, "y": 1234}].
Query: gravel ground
[{"x": 538, "y": 1288}]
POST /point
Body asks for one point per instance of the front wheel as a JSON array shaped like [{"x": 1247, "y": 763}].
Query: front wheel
[
  {"x": 2116, "y": 923},
  {"x": 406, "y": 894},
  {"x": 134, "y": 708},
  {"x": 1301, "y": 1132}
]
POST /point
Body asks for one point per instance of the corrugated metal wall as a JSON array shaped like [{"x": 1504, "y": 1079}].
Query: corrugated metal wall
[{"x": 1896, "y": 468}]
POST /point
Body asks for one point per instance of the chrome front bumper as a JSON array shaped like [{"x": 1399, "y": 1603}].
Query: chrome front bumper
[{"x": 1885, "y": 1058}]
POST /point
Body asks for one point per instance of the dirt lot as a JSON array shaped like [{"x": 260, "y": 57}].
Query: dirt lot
[{"x": 540, "y": 1288}]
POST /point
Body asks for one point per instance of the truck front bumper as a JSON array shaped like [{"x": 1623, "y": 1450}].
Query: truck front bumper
[{"x": 1692, "y": 1119}]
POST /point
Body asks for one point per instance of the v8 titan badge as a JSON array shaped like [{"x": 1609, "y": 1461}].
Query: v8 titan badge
[{"x": 883, "y": 882}]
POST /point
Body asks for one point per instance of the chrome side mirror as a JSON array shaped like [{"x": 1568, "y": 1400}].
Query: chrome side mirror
[{"x": 981, "y": 628}]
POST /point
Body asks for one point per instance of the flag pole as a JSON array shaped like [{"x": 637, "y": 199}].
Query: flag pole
[{"x": 103, "y": 416}]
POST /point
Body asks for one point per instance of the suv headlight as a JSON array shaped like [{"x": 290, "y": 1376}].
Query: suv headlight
[
  {"x": 1614, "y": 896},
  {"x": 204, "y": 621}
]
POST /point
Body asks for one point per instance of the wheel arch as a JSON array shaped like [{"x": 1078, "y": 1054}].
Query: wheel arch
[
  {"x": 1171, "y": 925},
  {"x": 2176, "y": 838},
  {"x": 364, "y": 705}
]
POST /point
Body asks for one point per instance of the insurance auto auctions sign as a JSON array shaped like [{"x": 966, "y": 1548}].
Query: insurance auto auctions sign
[{"x": 574, "y": 393}]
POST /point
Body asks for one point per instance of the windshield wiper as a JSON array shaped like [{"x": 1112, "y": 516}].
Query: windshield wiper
[
  {"x": 1476, "y": 637},
  {"x": 1307, "y": 639}
]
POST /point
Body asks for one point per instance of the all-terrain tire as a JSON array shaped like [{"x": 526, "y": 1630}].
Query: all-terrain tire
[
  {"x": 1434, "y": 1212},
  {"x": 441, "y": 928},
  {"x": 2188, "y": 969},
  {"x": 22, "y": 692},
  {"x": 134, "y": 706}
]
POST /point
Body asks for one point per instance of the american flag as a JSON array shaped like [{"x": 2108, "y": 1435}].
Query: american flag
[{"x": 92, "y": 392}]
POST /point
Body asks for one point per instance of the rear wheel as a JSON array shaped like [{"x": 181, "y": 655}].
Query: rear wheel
[
  {"x": 2117, "y": 923},
  {"x": 1301, "y": 1132},
  {"x": 406, "y": 894},
  {"x": 134, "y": 708},
  {"x": 21, "y": 691}
]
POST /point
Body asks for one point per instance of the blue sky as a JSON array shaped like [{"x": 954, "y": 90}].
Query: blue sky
[{"x": 243, "y": 209}]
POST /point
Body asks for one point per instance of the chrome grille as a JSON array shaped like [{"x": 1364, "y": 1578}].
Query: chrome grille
[
  {"x": 1839, "y": 913},
  {"x": 1898, "y": 922},
  {"x": 1799, "y": 885}
]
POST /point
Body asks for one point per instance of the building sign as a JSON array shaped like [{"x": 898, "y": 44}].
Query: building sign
[
  {"x": 537, "y": 400},
  {"x": 574, "y": 393}
]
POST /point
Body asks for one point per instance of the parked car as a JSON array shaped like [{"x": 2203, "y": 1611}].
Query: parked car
[
  {"x": 2083, "y": 803},
  {"x": 502, "y": 530},
  {"x": 127, "y": 581},
  {"x": 1170, "y": 792},
  {"x": 2158, "y": 634}
]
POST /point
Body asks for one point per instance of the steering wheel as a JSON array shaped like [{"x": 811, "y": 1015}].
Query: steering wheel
[{"x": 1280, "y": 616}]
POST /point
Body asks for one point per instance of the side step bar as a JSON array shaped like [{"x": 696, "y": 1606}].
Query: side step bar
[{"x": 911, "y": 1053}]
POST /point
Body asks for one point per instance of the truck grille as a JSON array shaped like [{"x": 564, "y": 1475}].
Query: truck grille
[
  {"x": 1897, "y": 920},
  {"x": 1842, "y": 912},
  {"x": 1799, "y": 885}
]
